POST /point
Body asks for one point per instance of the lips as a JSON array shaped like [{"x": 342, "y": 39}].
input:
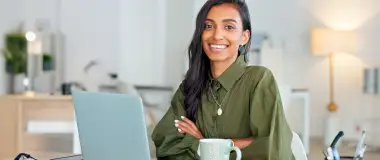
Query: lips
[{"x": 217, "y": 47}]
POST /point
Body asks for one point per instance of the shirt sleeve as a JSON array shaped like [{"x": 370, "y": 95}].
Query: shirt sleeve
[
  {"x": 169, "y": 143},
  {"x": 271, "y": 132}
]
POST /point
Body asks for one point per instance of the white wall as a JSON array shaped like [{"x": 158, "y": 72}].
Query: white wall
[
  {"x": 91, "y": 28},
  {"x": 134, "y": 39},
  {"x": 362, "y": 16},
  {"x": 289, "y": 23},
  {"x": 153, "y": 51},
  {"x": 90, "y": 34},
  {"x": 179, "y": 32},
  {"x": 143, "y": 31},
  {"x": 10, "y": 14}
]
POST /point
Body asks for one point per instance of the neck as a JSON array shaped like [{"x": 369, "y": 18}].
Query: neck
[{"x": 217, "y": 68}]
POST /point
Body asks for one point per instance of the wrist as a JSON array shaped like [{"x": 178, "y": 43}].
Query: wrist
[
  {"x": 242, "y": 142},
  {"x": 235, "y": 142}
]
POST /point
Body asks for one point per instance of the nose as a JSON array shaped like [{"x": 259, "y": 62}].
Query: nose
[{"x": 218, "y": 34}]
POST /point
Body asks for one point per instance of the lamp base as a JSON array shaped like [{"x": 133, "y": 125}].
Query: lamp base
[
  {"x": 332, "y": 107},
  {"x": 332, "y": 127}
]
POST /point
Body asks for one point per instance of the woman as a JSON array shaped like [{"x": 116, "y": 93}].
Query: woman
[{"x": 222, "y": 97}]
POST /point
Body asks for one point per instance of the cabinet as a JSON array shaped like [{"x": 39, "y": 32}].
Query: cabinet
[{"x": 16, "y": 111}]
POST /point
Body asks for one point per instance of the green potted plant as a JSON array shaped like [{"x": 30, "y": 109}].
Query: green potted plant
[
  {"x": 15, "y": 55},
  {"x": 47, "y": 62}
]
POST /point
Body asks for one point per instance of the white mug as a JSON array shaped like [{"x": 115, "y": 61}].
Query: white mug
[{"x": 218, "y": 149}]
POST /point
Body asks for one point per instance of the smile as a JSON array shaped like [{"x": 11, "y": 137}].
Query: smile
[{"x": 218, "y": 46}]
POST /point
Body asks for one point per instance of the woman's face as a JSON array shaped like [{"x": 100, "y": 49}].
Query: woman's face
[{"x": 223, "y": 33}]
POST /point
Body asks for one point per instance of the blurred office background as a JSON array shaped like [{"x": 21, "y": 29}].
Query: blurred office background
[{"x": 139, "y": 47}]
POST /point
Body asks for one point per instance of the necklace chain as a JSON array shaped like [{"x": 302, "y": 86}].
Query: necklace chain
[
  {"x": 216, "y": 101},
  {"x": 219, "y": 111}
]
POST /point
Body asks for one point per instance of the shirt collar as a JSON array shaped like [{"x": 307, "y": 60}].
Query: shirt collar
[{"x": 233, "y": 73}]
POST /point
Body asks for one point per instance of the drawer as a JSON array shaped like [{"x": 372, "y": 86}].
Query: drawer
[{"x": 47, "y": 110}]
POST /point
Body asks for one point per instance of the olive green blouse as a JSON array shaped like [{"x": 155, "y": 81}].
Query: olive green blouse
[{"x": 251, "y": 107}]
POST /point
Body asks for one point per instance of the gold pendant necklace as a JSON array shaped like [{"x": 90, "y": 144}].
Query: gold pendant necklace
[{"x": 219, "y": 111}]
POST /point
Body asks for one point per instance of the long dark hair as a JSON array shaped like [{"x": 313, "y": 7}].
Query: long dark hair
[{"x": 197, "y": 77}]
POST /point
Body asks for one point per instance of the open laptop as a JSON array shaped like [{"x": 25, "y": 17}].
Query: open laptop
[{"x": 111, "y": 126}]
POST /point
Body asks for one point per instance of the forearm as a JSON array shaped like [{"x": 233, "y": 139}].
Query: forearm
[
  {"x": 258, "y": 149},
  {"x": 241, "y": 143}
]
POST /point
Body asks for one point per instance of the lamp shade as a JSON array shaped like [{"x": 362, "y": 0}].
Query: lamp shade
[{"x": 327, "y": 41}]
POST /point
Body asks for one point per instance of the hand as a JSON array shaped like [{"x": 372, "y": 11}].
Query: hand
[
  {"x": 243, "y": 142},
  {"x": 187, "y": 126}
]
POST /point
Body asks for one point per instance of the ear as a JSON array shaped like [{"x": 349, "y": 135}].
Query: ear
[{"x": 245, "y": 37}]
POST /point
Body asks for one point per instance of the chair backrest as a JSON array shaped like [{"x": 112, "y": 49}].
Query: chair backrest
[
  {"x": 298, "y": 148},
  {"x": 286, "y": 94}
]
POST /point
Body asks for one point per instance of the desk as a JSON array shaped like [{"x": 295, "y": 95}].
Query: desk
[
  {"x": 17, "y": 110},
  {"x": 56, "y": 127}
]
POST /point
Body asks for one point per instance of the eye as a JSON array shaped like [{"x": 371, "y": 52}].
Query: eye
[
  {"x": 229, "y": 27},
  {"x": 208, "y": 26}
]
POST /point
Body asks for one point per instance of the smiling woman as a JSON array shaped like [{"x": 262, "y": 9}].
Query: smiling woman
[
  {"x": 222, "y": 97},
  {"x": 224, "y": 33}
]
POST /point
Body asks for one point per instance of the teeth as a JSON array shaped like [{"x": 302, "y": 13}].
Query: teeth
[{"x": 218, "y": 46}]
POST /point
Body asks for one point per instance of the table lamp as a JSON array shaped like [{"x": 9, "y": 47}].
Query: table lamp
[{"x": 327, "y": 42}]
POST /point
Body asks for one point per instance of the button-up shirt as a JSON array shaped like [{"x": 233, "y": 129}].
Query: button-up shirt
[{"x": 251, "y": 107}]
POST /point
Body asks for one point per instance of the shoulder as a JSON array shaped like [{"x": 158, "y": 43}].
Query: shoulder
[
  {"x": 178, "y": 93},
  {"x": 257, "y": 73}
]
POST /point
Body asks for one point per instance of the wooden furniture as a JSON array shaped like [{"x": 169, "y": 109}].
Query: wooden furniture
[
  {"x": 28, "y": 123},
  {"x": 16, "y": 111}
]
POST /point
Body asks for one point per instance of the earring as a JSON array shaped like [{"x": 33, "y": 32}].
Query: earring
[{"x": 241, "y": 48}]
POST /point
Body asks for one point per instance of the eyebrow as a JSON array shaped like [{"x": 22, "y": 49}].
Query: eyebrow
[{"x": 224, "y": 20}]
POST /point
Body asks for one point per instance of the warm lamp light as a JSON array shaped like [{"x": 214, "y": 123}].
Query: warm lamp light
[
  {"x": 327, "y": 42},
  {"x": 34, "y": 53},
  {"x": 30, "y": 36},
  {"x": 34, "y": 45}
]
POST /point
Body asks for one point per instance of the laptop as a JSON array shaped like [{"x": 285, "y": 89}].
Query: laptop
[{"x": 111, "y": 126}]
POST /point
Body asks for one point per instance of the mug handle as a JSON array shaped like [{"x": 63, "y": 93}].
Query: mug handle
[{"x": 238, "y": 152}]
